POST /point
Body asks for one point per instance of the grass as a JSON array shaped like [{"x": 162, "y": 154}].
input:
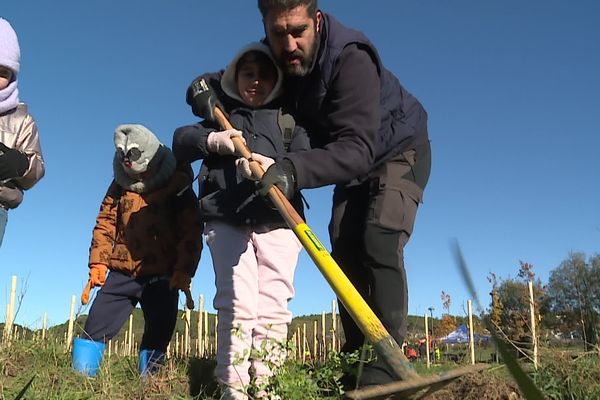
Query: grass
[
  {"x": 563, "y": 375},
  {"x": 49, "y": 366},
  {"x": 46, "y": 367}
]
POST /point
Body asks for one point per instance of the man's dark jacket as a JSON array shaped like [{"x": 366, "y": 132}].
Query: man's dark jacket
[{"x": 354, "y": 109}]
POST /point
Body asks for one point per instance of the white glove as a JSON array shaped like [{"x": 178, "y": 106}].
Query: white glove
[
  {"x": 221, "y": 143},
  {"x": 243, "y": 166}
]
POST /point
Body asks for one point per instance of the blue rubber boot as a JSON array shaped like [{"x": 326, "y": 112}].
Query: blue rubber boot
[
  {"x": 150, "y": 361},
  {"x": 87, "y": 356}
]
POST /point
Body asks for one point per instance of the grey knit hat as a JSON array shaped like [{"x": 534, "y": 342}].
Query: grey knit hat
[
  {"x": 10, "y": 53},
  {"x": 135, "y": 146}
]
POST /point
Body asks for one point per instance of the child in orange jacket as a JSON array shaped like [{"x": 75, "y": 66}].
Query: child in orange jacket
[{"x": 148, "y": 234}]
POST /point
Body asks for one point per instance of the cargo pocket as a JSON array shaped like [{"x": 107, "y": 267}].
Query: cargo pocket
[{"x": 394, "y": 200}]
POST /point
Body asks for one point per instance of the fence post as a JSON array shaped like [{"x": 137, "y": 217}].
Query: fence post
[{"x": 71, "y": 320}]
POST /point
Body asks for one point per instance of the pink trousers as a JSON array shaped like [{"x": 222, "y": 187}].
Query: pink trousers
[{"x": 254, "y": 274}]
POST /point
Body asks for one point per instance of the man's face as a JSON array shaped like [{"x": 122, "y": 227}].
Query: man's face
[{"x": 292, "y": 36}]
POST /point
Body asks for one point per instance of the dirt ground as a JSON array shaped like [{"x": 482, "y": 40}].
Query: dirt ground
[{"x": 477, "y": 386}]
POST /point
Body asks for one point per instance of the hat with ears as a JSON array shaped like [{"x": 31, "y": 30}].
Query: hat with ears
[{"x": 10, "y": 53}]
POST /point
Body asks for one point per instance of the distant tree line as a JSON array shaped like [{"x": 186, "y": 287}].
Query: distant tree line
[{"x": 568, "y": 306}]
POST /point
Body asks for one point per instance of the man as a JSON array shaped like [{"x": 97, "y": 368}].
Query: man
[{"x": 371, "y": 141}]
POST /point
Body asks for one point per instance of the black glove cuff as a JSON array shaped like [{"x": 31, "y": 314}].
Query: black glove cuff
[{"x": 281, "y": 174}]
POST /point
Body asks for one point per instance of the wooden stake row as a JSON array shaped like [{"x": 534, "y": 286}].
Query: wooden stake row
[{"x": 204, "y": 345}]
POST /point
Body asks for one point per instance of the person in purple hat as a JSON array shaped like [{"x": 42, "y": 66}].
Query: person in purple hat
[{"x": 21, "y": 161}]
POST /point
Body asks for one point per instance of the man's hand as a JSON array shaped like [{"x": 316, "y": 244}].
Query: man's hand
[
  {"x": 243, "y": 165},
  {"x": 220, "y": 141},
  {"x": 97, "y": 278},
  {"x": 13, "y": 163},
  {"x": 281, "y": 174},
  {"x": 203, "y": 99}
]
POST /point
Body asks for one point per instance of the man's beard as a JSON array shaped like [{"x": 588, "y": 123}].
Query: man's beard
[{"x": 306, "y": 60}]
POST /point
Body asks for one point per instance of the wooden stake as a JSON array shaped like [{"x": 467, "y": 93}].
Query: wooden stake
[
  {"x": 333, "y": 325},
  {"x": 304, "y": 342},
  {"x": 299, "y": 344},
  {"x": 427, "y": 341},
  {"x": 199, "y": 334},
  {"x": 44, "y": 320},
  {"x": 130, "y": 338},
  {"x": 71, "y": 321},
  {"x": 10, "y": 315},
  {"x": 532, "y": 317},
  {"x": 205, "y": 340},
  {"x": 216, "y": 330},
  {"x": 315, "y": 349},
  {"x": 323, "y": 337},
  {"x": 471, "y": 339},
  {"x": 188, "y": 321}
]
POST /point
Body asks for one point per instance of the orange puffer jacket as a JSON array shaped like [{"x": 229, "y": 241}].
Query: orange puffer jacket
[{"x": 155, "y": 233}]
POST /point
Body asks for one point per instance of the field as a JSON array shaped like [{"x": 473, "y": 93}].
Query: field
[{"x": 46, "y": 364}]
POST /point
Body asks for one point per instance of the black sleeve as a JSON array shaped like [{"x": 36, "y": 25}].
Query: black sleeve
[
  {"x": 300, "y": 140},
  {"x": 352, "y": 112},
  {"x": 189, "y": 142}
]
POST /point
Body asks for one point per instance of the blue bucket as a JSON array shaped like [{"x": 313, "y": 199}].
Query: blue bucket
[{"x": 87, "y": 355}]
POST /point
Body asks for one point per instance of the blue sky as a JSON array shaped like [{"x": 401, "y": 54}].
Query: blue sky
[{"x": 511, "y": 89}]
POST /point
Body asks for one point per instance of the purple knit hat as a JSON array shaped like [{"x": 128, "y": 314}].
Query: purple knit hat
[{"x": 10, "y": 54}]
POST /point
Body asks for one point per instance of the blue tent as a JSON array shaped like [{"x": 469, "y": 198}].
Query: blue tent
[{"x": 461, "y": 335}]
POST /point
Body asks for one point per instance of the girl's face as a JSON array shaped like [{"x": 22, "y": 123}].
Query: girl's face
[
  {"x": 5, "y": 76},
  {"x": 255, "y": 82}
]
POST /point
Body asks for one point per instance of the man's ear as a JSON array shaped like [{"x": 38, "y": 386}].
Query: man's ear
[{"x": 318, "y": 16}]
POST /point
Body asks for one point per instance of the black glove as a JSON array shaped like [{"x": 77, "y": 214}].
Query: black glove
[
  {"x": 203, "y": 99},
  {"x": 13, "y": 163},
  {"x": 281, "y": 174}
]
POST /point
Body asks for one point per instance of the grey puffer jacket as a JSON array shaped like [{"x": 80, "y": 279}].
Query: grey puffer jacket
[{"x": 18, "y": 130}]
